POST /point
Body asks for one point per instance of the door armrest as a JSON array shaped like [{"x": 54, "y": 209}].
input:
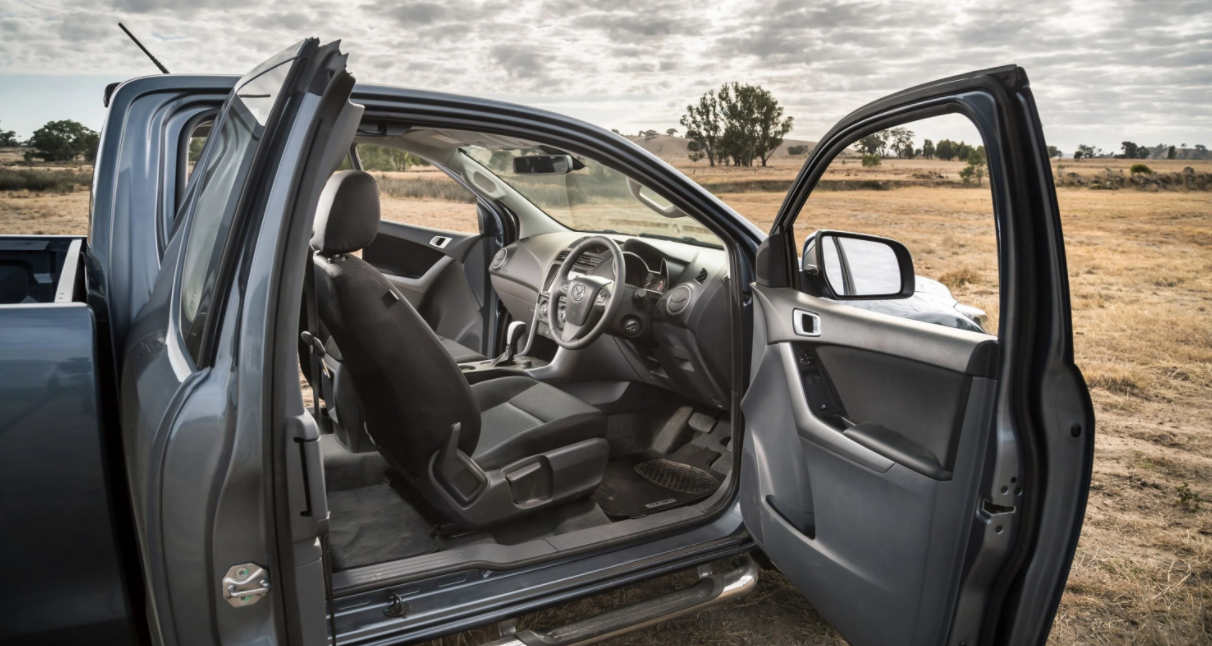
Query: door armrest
[{"x": 899, "y": 449}]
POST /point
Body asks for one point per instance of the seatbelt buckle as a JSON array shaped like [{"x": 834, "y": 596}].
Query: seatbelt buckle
[{"x": 317, "y": 349}]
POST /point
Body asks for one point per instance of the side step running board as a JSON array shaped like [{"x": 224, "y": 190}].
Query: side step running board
[{"x": 709, "y": 591}]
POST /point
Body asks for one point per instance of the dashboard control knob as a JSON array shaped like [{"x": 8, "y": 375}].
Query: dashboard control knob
[{"x": 632, "y": 326}]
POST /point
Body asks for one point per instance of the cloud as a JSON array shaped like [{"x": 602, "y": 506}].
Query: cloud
[
  {"x": 520, "y": 61},
  {"x": 1100, "y": 72}
]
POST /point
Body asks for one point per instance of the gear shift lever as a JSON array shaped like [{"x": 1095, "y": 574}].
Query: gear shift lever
[{"x": 515, "y": 333}]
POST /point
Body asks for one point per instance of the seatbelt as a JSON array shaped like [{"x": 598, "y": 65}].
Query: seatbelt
[{"x": 312, "y": 330}]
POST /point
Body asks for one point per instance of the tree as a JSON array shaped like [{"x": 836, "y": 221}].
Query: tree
[
  {"x": 901, "y": 142},
  {"x": 702, "y": 125},
  {"x": 672, "y": 132},
  {"x": 615, "y": 131},
  {"x": 975, "y": 167},
  {"x": 8, "y": 139},
  {"x": 89, "y": 142},
  {"x": 928, "y": 149},
  {"x": 873, "y": 144},
  {"x": 870, "y": 159},
  {"x": 958, "y": 150},
  {"x": 1133, "y": 151},
  {"x": 1054, "y": 153},
  {"x": 945, "y": 150},
  {"x": 696, "y": 150},
  {"x": 769, "y": 125},
  {"x": 737, "y": 124},
  {"x": 738, "y": 103},
  {"x": 648, "y": 134},
  {"x": 797, "y": 150},
  {"x": 1087, "y": 152},
  {"x": 64, "y": 141},
  {"x": 1172, "y": 153}
]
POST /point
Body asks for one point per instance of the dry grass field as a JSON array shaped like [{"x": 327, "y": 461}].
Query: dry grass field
[{"x": 1140, "y": 272}]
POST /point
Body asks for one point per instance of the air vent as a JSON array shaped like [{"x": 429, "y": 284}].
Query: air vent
[
  {"x": 499, "y": 258},
  {"x": 702, "y": 277},
  {"x": 587, "y": 262}
]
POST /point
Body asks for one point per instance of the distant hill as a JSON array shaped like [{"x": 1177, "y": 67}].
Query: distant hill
[{"x": 670, "y": 146}]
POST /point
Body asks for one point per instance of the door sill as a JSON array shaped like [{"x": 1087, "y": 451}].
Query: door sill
[{"x": 711, "y": 589}]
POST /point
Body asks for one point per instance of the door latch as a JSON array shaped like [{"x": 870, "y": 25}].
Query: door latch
[{"x": 245, "y": 584}]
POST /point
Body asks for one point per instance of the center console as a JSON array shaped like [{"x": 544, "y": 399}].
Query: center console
[{"x": 477, "y": 371}]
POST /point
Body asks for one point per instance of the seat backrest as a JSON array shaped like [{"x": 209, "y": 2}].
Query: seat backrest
[{"x": 412, "y": 392}]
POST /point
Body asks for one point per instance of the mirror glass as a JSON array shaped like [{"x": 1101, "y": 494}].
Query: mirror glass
[
  {"x": 874, "y": 270},
  {"x": 542, "y": 165}
]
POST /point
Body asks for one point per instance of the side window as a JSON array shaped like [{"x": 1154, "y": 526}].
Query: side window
[
  {"x": 924, "y": 185},
  {"x": 413, "y": 192},
  {"x": 197, "y": 139},
  {"x": 214, "y": 210},
  {"x": 225, "y": 166}
]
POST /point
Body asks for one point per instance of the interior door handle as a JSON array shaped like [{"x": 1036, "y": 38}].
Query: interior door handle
[
  {"x": 806, "y": 323},
  {"x": 439, "y": 241}
]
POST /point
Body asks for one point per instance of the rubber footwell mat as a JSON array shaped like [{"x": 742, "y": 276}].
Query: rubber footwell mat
[{"x": 638, "y": 486}]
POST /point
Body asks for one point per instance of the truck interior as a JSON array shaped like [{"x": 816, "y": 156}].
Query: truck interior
[{"x": 559, "y": 380}]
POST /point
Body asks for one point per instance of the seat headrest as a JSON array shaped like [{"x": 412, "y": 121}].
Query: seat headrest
[{"x": 347, "y": 218}]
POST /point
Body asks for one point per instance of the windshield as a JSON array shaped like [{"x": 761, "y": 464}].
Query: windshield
[{"x": 591, "y": 198}]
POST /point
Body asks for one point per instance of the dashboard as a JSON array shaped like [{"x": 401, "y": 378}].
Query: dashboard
[{"x": 672, "y": 329}]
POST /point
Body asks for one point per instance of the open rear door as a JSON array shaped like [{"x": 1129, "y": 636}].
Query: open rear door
[
  {"x": 922, "y": 484},
  {"x": 196, "y": 408}
]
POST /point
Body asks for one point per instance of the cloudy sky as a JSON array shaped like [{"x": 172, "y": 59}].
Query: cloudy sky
[{"x": 1102, "y": 72}]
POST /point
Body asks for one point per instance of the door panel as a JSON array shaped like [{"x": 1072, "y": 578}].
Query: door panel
[
  {"x": 872, "y": 441},
  {"x": 442, "y": 274},
  {"x": 894, "y": 469},
  {"x": 193, "y": 416}
]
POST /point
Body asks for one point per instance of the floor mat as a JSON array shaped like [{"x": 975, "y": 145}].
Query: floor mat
[
  {"x": 639, "y": 485},
  {"x": 375, "y": 525},
  {"x": 344, "y": 470}
]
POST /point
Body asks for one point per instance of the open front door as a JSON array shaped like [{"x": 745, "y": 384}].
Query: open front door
[
  {"x": 194, "y": 395},
  {"x": 920, "y": 481}
]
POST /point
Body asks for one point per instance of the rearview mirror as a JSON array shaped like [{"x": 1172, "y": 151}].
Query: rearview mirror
[
  {"x": 854, "y": 266},
  {"x": 543, "y": 165}
]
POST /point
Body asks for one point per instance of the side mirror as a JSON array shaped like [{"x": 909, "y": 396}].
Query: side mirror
[
  {"x": 854, "y": 266},
  {"x": 543, "y": 165}
]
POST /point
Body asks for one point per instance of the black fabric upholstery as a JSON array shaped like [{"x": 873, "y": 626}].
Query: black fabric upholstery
[
  {"x": 521, "y": 417},
  {"x": 459, "y": 352},
  {"x": 411, "y": 391},
  {"x": 347, "y": 217},
  {"x": 410, "y": 388}
]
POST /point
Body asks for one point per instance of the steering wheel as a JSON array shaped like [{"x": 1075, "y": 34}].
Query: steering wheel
[{"x": 591, "y": 302}]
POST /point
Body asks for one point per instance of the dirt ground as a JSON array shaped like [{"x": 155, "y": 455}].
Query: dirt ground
[{"x": 1140, "y": 271}]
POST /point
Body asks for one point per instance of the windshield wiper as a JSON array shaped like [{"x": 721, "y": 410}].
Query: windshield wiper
[{"x": 683, "y": 239}]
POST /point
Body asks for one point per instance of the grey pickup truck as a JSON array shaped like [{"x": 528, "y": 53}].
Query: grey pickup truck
[{"x": 247, "y": 409}]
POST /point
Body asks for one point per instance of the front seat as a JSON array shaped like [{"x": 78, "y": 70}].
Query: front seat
[{"x": 480, "y": 454}]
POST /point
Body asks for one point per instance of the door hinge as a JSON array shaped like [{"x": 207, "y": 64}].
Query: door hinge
[{"x": 245, "y": 584}]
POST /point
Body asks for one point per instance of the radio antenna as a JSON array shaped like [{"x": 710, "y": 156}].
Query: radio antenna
[{"x": 149, "y": 54}]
